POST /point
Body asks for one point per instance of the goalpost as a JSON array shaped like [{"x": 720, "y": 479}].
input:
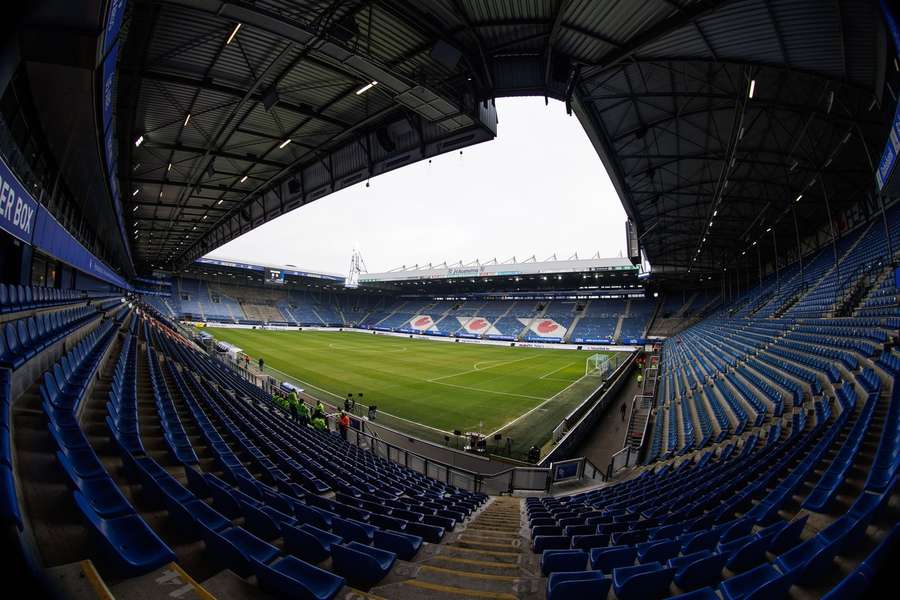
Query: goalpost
[{"x": 597, "y": 365}]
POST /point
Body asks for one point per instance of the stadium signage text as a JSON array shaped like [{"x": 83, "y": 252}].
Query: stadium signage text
[{"x": 17, "y": 208}]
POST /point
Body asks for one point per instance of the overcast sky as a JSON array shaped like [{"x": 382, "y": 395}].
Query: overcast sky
[{"x": 538, "y": 188}]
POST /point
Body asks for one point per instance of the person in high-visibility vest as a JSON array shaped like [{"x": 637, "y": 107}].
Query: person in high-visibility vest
[
  {"x": 320, "y": 410},
  {"x": 320, "y": 424},
  {"x": 294, "y": 404},
  {"x": 640, "y": 379},
  {"x": 303, "y": 414}
]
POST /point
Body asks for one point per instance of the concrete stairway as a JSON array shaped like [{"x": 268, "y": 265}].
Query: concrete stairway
[{"x": 490, "y": 558}]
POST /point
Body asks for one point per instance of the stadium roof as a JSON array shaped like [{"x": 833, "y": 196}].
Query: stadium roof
[
  {"x": 494, "y": 268},
  {"x": 283, "y": 269},
  {"x": 711, "y": 117}
]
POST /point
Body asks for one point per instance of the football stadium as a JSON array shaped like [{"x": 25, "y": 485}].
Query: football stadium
[{"x": 705, "y": 411}]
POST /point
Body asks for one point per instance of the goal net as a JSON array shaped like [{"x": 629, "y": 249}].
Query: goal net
[{"x": 597, "y": 365}]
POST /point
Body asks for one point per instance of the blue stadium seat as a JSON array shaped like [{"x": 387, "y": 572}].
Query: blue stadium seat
[
  {"x": 642, "y": 582},
  {"x": 290, "y": 577},
  {"x": 362, "y": 566},
  {"x": 702, "y": 568},
  {"x": 236, "y": 548},
  {"x": 578, "y": 584},
  {"x": 553, "y": 561},
  {"x": 403, "y": 545},
  {"x": 309, "y": 543},
  {"x": 132, "y": 546},
  {"x": 607, "y": 559},
  {"x": 762, "y": 583}
]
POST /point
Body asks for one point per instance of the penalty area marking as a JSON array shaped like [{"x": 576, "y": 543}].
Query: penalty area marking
[
  {"x": 476, "y": 369},
  {"x": 556, "y": 371},
  {"x": 465, "y": 387},
  {"x": 361, "y": 349},
  {"x": 538, "y": 407}
]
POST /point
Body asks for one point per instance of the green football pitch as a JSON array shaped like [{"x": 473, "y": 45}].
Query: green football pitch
[{"x": 445, "y": 386}]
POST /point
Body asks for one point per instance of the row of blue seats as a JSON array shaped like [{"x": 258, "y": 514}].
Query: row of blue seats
[
  {"x": 131, "y": 546},
  {"x": 22, "y": 339},
  {"x": 428, "y": 521},
  {"x": 15, "y": 298},
  {"x": 388, "y": 473},
  {"x": 310, "y": 533},
  {"x": 795, "y": 562},
  {"x": 690, "y": 572},
  {"x": 9, "y": 505},
  {"x": 173, "y": 431}
]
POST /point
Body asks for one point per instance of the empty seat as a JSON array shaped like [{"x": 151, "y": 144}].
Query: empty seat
[
  {"x": 553, "y": 561},
  {"x": 132, "y": 546},
  {"x": 309, "y": 543},
  {"x": 578, "y": 584},
  {"x": 702, "y": 568},
  {"x": 642, "y": 582},
  {"x": 403, "y": 545},
  {"x": 290, "y": 577},
  {"x": 236, "y": 549},
  {"x": 607, "y": 559},
  {"x": 762, "y": 583},
  {"x": 363, "y": 566}
]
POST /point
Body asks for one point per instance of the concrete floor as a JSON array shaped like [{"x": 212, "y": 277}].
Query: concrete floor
[{"x": 607, "y": 439}]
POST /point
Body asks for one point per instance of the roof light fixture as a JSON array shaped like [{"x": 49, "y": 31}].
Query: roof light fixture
[
  {"x": 135, "y": 192},
  {"x": 366, "y": 87},
  {"x": 799, "y": 198},
  {"x": 243, "y": 179},
  {"x": 752, "y": 88},
  {"x": 233, "y": 33},
  {"x": 187, "y": 119},
  {"x": 284, "y": 143},
  {"x": 139, "y": 141}
]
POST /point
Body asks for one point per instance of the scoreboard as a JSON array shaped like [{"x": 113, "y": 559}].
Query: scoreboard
[{"x": 274, "y": 276}]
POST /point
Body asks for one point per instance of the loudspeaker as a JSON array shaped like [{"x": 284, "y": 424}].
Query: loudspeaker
[
  {"x": 294, "y": 186},
  {"x": 559, "y": 68},
  {"x": 270, "y": 98},
  {"x": 445, "y": 54},
  {"x": 384, "y": 139},
  {"x": 345, "y": 29}
]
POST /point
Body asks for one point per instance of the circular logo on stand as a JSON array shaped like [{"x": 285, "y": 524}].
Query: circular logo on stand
[{"x": 547, "y": 327}]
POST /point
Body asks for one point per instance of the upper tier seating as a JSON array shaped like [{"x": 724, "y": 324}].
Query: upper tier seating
[{"x": 16, "y": 298}]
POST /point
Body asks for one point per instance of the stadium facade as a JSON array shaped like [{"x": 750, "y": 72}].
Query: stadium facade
[{"x": 753, "y": 144}]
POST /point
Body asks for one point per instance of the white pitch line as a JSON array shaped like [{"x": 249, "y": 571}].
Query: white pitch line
[
  {"x": 465, "y": 387},
  {"x": 306, "y": 383},
  {"x": 523, "y": 415},
  {"x": 351, "y": 348},
  {"x": 508, "y": 362},
  {"x": 556, "y": 371}
]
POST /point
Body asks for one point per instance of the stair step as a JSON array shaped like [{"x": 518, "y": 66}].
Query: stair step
[
  {"x": 489, "y": 534},
  {"x": 163, "y": 582},
  {"x": 78, "y": 580},
  {"x": 425, "y": 590},
  {"x": 475, "y": 544},
  {"x": 495, "y": 555},
  {"x": 473, "y": 565}
]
